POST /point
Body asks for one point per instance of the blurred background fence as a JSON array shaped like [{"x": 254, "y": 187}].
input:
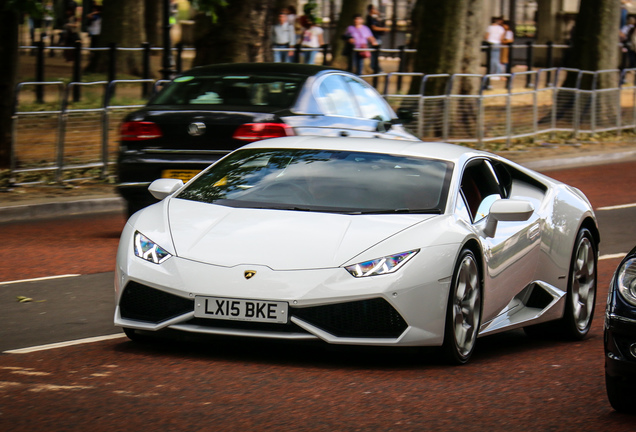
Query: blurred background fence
[{"x": 58, "y": 136}]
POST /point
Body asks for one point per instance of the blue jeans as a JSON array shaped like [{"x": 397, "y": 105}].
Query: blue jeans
[
  {"x": 309, "y": 57},
  {"x": 495, "y": 65},
  {"x": 358, "y": 63},
  {"x": 282, "y": 56}
]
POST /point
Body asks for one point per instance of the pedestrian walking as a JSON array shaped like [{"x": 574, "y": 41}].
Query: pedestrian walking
[
  {"x": 377, "y": 27},
  {"x": 283, "y": 36},
  {"x": 359, "y": 36},
  {"x": 312, "y": 37},
  {"x": 494, "y": 35},
  {"x": 507, "y": 39}
]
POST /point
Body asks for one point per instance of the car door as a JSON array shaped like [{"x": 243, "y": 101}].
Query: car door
[{"x": 511, "y": 255}]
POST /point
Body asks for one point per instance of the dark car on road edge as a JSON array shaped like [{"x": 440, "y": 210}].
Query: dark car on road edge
[{"x": 620, "y": 337}]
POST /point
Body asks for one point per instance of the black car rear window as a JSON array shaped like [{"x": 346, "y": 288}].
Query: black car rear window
[{"x": 232, "y": 90}]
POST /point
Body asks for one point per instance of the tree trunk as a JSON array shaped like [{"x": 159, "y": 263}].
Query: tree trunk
[
  {"x": 471, "y": 64},
  {"x": 439, "y": 33},
  {"x": 8, "y": 75},
  {"x": 122, "y": 24},
  {"x": 241, "y": 33},
  {"x": 595, "y": 40},
  {"x": 349, "y": 8},
  {"x": 594, "y": 48},
  {"x": 152, "y": 21}
]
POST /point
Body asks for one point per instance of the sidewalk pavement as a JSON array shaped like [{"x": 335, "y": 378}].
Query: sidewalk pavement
[{"x": 24, "y": 203}]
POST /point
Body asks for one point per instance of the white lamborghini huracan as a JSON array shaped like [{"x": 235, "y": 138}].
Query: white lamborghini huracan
[{"x": 362, "y": 242}]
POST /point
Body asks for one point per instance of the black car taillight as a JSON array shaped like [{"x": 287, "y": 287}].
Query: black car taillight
[
  {"x": 250, "y": 132},
  {"x": 139, "y": 131}
]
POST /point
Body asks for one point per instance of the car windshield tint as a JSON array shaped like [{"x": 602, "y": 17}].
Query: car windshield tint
[
  {"x": 239, "y": 90},
  {"x": 327, "y": 181}
]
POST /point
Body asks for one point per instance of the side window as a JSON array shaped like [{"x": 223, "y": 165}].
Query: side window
[
  {"x": 480, "y": 187},
  {"x": 371, "y": 104},
  {"x": 335, "y": 98}
]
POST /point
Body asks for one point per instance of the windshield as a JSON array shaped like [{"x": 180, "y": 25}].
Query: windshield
[
  {"x": 321, "y": 180},
  {"x": 239, "y": 90}
]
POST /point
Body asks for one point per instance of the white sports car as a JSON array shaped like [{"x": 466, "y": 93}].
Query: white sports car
[{"x": 362, "y": 242}]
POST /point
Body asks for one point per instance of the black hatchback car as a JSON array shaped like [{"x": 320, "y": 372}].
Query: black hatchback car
[
  {"x": 208, "y": 111},
  {"x": 620, "y": 337}
]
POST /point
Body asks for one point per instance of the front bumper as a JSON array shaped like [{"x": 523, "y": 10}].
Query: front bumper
[
  {"x": 406, "y": 308},
  {"x": 620, "y": 347}
]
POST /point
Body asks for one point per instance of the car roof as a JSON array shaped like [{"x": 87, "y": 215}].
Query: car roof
[
  {"x": 260, "y": 68},
  {"x": 433, "y": 150}
]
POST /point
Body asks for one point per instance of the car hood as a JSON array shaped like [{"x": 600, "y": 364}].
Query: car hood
[{"x": 279, "y": 239}]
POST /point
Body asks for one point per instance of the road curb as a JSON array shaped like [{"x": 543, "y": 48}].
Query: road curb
[{"x": 62, "y": 208}]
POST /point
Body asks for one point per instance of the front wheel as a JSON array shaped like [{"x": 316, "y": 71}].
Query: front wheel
[
  {"x": 581, "y": 296},
  {"x": 463, "y": 314},
  {"x": 620, "y": 394}
]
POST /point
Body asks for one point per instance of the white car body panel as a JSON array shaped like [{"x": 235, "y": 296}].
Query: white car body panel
[{"x": 299, "y": 257}]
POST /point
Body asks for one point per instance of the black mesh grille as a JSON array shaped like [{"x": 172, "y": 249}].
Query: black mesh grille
[
  {"x": 142, "y": 303},
  {"x": 247, "y": 325},
  {"x": 374, "y": 318}
]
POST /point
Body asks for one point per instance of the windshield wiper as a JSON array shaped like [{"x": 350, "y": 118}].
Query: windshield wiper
[{"x": 397, "y": 211}]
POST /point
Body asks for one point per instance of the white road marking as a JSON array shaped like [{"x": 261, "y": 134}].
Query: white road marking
[
  {"x": 612, "y": 256},
  {"x": 617, "y": 207},
  {"x": 39, "y": 279},
  {"x": 64, "y": 344}
]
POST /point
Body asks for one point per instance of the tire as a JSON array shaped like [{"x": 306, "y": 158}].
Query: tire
[
  {"x": 620, "y": 394},
  {"x": 463, "y": 314},
  {"x": 134, "y": 336},
  {"x": 581, "y": 293}
]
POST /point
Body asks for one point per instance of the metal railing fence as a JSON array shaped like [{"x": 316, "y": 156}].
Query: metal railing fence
[
  {"x": 62, "y": 136},
  {"x": 503, "y": 108}
]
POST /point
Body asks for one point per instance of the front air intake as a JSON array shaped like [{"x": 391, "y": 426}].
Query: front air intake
[
  {"x": 374, "y": 318},
  {"x": 143, "y": 303}
]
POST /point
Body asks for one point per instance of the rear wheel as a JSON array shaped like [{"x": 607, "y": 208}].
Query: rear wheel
[
  {"x": 581, "y": 294},
  {"x": 463, "y": 314}
]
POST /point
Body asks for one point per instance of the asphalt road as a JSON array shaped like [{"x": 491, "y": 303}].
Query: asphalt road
[{"x": 512, "y": 383}]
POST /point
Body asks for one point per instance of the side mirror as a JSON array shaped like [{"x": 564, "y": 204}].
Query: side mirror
[
  {"x": 509, "y": 211},
  {"x": 384, "y": 126},
  {"x": 162, "y": 188},
  {"x": 405, "y": 115}
]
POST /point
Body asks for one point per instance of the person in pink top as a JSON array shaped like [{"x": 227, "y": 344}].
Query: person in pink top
[{"x": 359, "y": 36}]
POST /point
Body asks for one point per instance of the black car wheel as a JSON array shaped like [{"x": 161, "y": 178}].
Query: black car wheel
[
  {"x": 581, "y": 294},
  {"x": 621, "y": 394},
  {"x": 463, "y": 314}
]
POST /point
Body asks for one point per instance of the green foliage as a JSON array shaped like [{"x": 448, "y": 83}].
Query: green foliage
[
  {"x": 30, "y": 7},
  {"x": 310, "y": 10},
  {"x": 210, "y": 7}
]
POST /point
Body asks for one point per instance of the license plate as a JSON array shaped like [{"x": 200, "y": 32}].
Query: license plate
[
  {"x": 184, "y": 175},
  {"x": 240, "y": 309}
]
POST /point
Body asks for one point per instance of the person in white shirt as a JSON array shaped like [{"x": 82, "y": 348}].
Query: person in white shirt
[
  {"x": 494, "y": 35},
  {"x": 312, "y": 37},
  {"x": 283, "y": 36}
]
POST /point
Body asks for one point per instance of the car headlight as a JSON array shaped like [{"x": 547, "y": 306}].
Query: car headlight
[
  {"x": 380, "y": 266},
  {"x": 626, "y": 281},
  {"x": 149, "y": 250}
]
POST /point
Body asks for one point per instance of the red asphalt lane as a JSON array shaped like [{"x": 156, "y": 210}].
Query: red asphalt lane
[{"x": 513, "y": 383}]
